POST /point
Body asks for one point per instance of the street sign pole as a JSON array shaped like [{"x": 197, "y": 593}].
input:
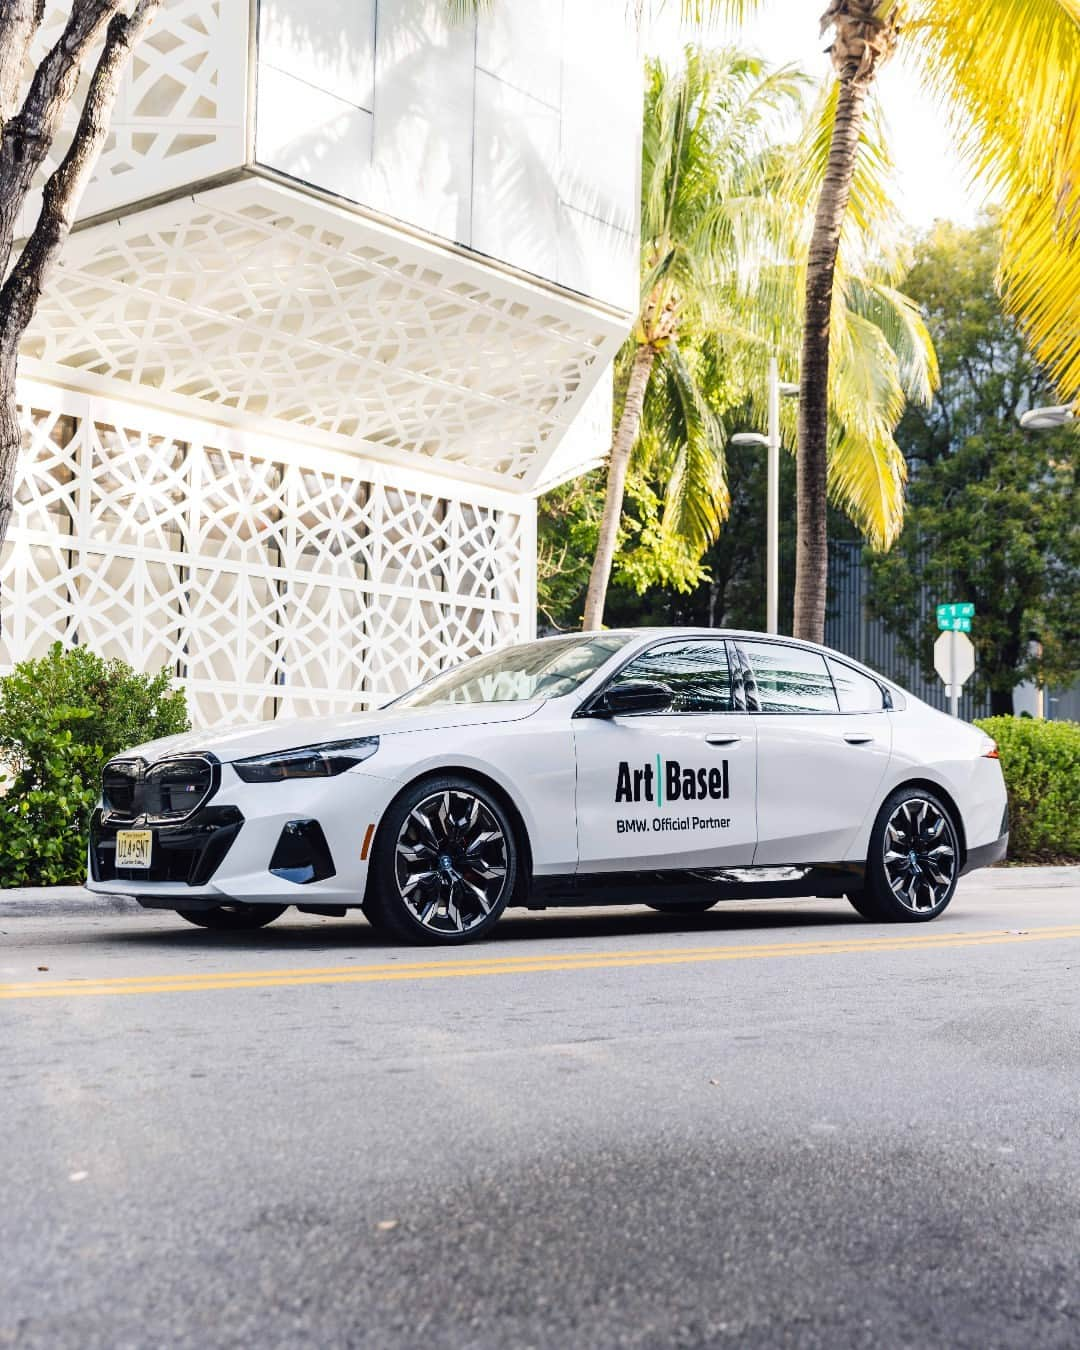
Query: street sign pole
[{"x": 954, "y": 661}]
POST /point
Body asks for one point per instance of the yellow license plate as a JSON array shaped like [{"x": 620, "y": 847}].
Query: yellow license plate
[{"x": 133, "y": 848}]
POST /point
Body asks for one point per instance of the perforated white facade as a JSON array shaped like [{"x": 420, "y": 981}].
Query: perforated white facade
[
  {"x": 273, "y": 580},
  {"x": 344, "y": 296}
]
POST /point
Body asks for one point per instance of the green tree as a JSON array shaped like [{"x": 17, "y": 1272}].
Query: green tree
[
  {"x": 706, "y": 163},
  {"x": 61, "y": 718},
  {"x": 724, "y": 229},
  {"x": 994, "y": 515},
  {"x": 1006, "y": 70},
  {"x": 1005, "y": 74}
]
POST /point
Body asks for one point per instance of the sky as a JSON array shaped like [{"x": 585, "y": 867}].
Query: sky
[{"x": 931, "y": 182}]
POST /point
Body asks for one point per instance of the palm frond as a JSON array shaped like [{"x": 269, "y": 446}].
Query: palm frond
[
  {"x": 1007, "y": 73},
  {"x": 866, "y": 469},
  {"x": 900, "y": 321},
  {"x": 681, "y": 420}
]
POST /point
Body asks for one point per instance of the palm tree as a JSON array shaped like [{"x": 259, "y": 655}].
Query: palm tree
[
  {"x": 1006, "y": 73},
  {"x": 705, "y": 159},
  {"x": 725, "y": 225}
]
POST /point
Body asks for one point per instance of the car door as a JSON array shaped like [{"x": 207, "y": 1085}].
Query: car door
[
  {"x": 674, "y": 789},
  {"x": 823, "y": 747}
]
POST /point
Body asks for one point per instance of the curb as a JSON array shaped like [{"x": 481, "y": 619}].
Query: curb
[
  {"x": 62, "y": 902},
  {"x": 67, "y": 902}
]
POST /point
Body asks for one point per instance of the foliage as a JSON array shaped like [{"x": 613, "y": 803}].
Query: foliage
[
  {"x": 993, "y": 515},
  {"x": 1041, "y": 763},
  {"x": 61, "y": 718}
]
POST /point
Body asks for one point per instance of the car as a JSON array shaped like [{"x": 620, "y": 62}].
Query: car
[{"x": 669, "y": 767}]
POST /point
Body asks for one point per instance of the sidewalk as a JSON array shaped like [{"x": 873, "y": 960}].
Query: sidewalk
[
  {"x": 63, "y": 902},
  {"x": 30, "y": 902}
]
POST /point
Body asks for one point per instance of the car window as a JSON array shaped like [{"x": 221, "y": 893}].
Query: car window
[
  {"x": 549, "y": 668},
  {"x": 789, "y": 679},
  {"x": 695, "y": 671},
  {"x": 856, "y": 692}
]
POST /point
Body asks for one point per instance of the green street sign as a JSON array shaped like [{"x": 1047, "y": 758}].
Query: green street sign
[{"x": 955, "y": 618}]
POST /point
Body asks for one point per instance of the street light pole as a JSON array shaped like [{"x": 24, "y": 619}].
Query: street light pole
[
  {"x": 771, "y": 442},
  {"x": 772, "y": 505}
]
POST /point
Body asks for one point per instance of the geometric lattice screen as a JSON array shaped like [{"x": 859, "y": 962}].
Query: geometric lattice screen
[
  {"x": 274, "y": 581},
  {"x": 261, "y": 303},
  {"x": 179, "y": 115}
]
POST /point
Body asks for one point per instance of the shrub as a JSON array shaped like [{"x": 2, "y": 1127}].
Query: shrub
[
  {"x": 61, "y": 718},
  {"x": 1041, "y": 762}
]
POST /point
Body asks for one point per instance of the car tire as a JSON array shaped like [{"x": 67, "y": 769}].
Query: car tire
[
  {"x": 445, "y": 863},
  {"x": 914, "y": 859},
  {"x": 684, "y": 907},
  {"x": 233, "y": 918}
]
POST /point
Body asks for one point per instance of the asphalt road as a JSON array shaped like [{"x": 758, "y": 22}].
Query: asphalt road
[{"x": 772, "y": 1125}]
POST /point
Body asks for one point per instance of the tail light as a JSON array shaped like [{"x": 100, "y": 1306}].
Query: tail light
[{"x": 993, "y": 752}]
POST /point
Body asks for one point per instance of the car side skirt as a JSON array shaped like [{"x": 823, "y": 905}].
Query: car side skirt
[{"x": 826, "y": 880}]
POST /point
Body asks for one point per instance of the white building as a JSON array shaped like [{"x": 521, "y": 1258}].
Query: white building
[{"x": 343, "y": 298}]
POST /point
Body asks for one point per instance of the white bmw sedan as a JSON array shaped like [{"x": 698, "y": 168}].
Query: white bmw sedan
[{"x": 674, "y": 768}]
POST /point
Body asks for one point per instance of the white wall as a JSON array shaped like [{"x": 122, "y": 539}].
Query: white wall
[{"x": 517, "y": 136}]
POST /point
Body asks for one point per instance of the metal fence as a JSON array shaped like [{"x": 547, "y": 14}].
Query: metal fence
[{"x": 849, "y": 629}]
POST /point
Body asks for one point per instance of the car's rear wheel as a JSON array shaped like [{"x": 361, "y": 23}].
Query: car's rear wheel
[
  {"x": 233, "y": 918},
  {"x": 445, "y": 863},
  {"x": 914, "y": 860}
]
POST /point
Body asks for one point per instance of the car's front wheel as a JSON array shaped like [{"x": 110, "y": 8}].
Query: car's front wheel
[
  {"x": 233, "y": 918},
  {"x": 914, "y": 860},
  {"x": 445, "y": 863}
]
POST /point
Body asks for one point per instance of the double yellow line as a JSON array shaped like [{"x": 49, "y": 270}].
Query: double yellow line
[{"x": 456, "y": 967}]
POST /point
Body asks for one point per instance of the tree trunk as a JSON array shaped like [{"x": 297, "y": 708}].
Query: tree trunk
[
  {"x": 23, "y": 147},
  {"x": 10, "y": 439},
  {"x": 811, "y": 548},
  {"x": 618, "y": 463}
]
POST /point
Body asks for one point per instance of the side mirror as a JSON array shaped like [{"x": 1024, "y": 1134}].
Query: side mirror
[{"x": 634, "y": 696}]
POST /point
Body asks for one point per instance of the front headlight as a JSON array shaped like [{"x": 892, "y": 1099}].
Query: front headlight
[{"x": 308, "y": 761}]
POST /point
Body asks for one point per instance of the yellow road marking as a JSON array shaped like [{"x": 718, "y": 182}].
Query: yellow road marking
[{"x": 450, "y": 968}]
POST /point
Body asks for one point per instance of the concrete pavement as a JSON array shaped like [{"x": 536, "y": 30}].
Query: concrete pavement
[{"x": 771, "y": 1125}]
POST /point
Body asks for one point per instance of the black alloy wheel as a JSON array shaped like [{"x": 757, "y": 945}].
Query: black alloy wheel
[
  {"x": 445, "y": 864},
  {"x": 914, "y": 860}
]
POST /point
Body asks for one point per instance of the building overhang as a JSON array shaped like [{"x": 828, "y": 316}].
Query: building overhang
[{"x": 257, "y": 302}]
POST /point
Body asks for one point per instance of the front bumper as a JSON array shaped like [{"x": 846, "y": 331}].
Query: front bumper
[
  {"x": 197, "y": 860},
  {"x": 187, "y": 853}
]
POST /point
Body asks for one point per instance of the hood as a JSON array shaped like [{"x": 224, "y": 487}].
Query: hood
[{"x": 260, "y": 738}]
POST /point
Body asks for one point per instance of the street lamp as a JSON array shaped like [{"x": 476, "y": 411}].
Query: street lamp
[
  {"x": 1045, "y": 419},
  {"x": 771, "y": 442}
]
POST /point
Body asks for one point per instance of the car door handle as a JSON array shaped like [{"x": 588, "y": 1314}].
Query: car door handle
[
  {"x": 857, "y": 737},
  {"x": 723, "y": 738}
]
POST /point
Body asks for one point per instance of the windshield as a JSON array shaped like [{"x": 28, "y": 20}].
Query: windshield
[{"x": 546, "y": 669}]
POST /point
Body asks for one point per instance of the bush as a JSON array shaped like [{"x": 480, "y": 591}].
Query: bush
[
  {"x": 1041, "y": 762},
  {"x": 61, "y": 718}
]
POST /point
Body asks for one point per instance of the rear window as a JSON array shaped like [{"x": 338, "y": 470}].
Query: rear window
[
  {"x": 790, "y": 679},
  {"x": 855, "y": 691}
]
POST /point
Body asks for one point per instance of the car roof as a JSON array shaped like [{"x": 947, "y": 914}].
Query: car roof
[{"x": 649, "y": 632}]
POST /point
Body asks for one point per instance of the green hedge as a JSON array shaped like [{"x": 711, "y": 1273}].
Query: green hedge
[
  {"x": 1041, "y": 762},
  {"x": 61, "y": 718}
]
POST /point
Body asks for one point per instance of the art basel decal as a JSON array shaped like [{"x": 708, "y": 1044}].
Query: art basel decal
[{"x": 666, "y": 782}]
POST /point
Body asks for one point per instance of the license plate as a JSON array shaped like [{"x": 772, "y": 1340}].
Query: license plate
[{"x": 133, "y": 848}]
